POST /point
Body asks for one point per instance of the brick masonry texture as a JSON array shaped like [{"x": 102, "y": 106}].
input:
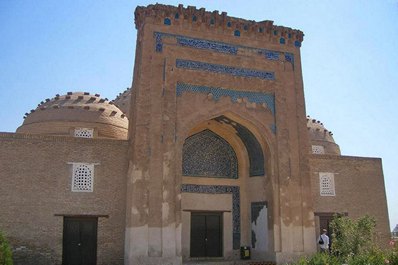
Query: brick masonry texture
[{"x": 38, "y": 188}]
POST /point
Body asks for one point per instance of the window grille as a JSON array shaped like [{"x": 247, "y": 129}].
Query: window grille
[
  {"x": 318, "y": 149},
  {"x": 84, "y": 132},
  {"x": 326, "y": 183},
  {"x": 83, "y": 177}
]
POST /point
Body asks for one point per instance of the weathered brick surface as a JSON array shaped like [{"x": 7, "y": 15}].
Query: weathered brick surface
[
  {"x": 36, "y": 186},
  {"x": 359, "y": 187}
]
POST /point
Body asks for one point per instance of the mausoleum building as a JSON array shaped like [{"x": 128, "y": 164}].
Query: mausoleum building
[{"x": 209, "y": 151}]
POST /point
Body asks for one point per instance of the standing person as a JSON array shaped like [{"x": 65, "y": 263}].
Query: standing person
[{"x": 324, "y": 241}]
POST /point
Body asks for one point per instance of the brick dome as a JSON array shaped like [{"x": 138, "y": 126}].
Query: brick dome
[
  {"x": 122, "y": 101},
  {"x": 61, "y": 115},
  {"x": 321, "y": 138}
]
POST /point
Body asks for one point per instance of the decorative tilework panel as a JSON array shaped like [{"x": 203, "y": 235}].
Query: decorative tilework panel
[
  {"x": 207, "y": 45},
  {"x": 207, "y": 154},
  {"x": 213, "y": 45},
  {"x": 218, "y": 189},
  {"x": 271, "y": 55},
  {"x": 289, "y": 57},
  {"x": 158, "y": 41},
  {"x": 217, "y": 92},
  {"x": 253, "y": 147},
  {"x": 223, "y": 69}
]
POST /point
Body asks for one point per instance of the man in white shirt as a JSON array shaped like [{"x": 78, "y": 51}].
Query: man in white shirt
[{"x": 324, "y": 242}]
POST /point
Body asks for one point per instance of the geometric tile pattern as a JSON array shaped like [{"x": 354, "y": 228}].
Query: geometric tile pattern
[
  {"x": 221, "y": 189},
  {"x": 205, "y": 154},
  {"x": 217, "y": 92},
  {"x": 223, "y": 69},
  {"x": 207, "y": 45}
]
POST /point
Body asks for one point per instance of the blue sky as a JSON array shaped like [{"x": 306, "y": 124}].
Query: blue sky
[{"x": 349, "y": 60}]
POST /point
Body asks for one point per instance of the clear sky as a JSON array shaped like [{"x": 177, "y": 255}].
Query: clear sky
[{"x": 349, "y": 60}]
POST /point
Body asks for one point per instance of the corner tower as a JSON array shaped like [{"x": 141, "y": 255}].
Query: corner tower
[{"x": 218, "y": 140}]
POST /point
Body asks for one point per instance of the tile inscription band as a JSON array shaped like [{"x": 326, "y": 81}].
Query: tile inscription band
[
  {"x": 224, "y": 69},
  {"x": 219, "y": 189},
  {"x": 217, "y": 46}
]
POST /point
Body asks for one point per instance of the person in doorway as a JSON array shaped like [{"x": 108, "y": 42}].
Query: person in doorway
[{"x": 324, "y": 241}]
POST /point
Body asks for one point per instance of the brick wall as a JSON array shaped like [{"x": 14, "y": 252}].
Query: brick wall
[
  {"x": 359, "y": 189},
  {"x": 36, "y": 187}
]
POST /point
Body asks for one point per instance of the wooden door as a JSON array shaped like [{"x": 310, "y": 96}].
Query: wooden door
[
  {"x": 206, "y": 235},
  {"x": 80, "y": 241}
]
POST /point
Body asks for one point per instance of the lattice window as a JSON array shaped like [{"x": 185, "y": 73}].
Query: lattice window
[
  {"x": 326, "y": 183},
  {"x": 318, "y": 149},
  {"x": 83, "y": 177},
  {"x": 84, "y": 132}
]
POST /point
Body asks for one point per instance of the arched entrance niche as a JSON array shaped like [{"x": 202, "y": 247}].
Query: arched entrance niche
[{"x": 226, "y": 192}]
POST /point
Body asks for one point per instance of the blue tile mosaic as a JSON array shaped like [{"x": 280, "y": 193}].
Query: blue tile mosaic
[
  {"x": 237, "y": 33},
  {"x": 220, "y": 189},
  {"x": 213, "y": 45},
  {"x": 289, "y": 57},
  {"x": 282, "y": 40},
  {"x": 223, "y": 69},
  {"x": 297, "y": 43},
  {"x": 159, "y": 43},
  {"x": 167, "y": 21},
  {"x": 206, "y": 154},
  {"x": 271, "y": 55},
  {"x": 253, "y": 147},
  {"x": 207, "y": 45},
  {"x": 217, "y": 92}
]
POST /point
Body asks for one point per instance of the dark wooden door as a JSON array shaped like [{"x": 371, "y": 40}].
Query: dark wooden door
[
  {"x": 206, "y": 235},
  {"x": 80, "y": 241},
  {"x": 324, "y": 223}
]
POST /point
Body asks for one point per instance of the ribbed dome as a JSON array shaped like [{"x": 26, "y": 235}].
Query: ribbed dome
[
  {"x": 62, "y": 114},
  {"x": 321, "y": 138}
]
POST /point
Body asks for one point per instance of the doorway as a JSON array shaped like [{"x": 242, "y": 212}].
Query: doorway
[
  {"x": 80, "y": 241},
  {"x": 206, "y": 234}
]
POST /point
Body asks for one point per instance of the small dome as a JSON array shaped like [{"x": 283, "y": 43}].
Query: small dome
[
  {"x": 62, "y": 115},
  {"x": 321, "y": 139},
  {"x": 122, "y": 101}
]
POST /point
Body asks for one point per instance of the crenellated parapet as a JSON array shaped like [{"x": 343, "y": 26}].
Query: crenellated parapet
[{"x": 219, "y": 22}]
